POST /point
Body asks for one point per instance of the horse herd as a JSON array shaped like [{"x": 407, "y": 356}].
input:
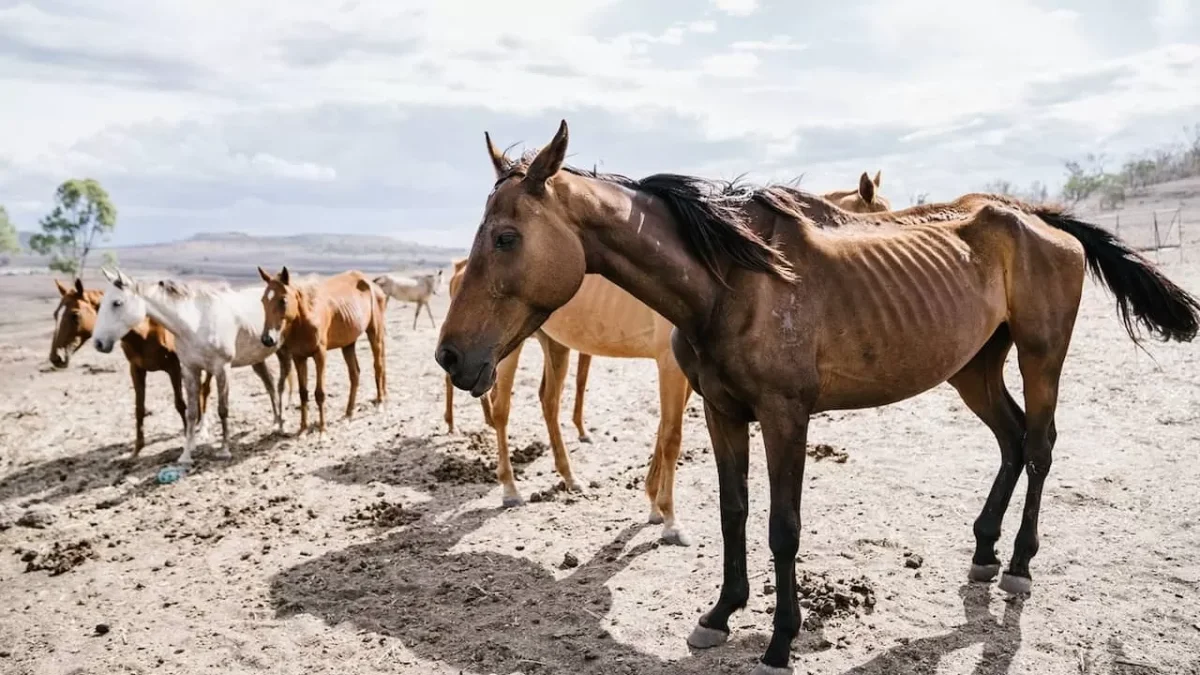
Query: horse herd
[{"x": 772, "y": 303}]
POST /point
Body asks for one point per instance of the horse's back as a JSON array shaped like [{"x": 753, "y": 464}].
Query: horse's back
[
  {"x": 353, "y": 303},
  {"x": 602, "y": 319}
]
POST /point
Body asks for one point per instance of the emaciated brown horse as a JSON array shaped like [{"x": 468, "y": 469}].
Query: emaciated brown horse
[
  {"x": 785, "y": 306},
  {"x": 149, "y": 347},
  {"x": 310, "y": 318}
]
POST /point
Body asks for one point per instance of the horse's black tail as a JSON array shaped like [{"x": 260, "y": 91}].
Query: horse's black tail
[{"x": 1145, "y": 297}]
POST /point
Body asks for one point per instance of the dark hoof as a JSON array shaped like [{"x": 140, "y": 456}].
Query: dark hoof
[
  {"x": 585, "y": 439},
  {"x": 512, "y": 502},
  {"x": 983, "y": 572},
  {"x": 1016, "y": 585},
  {"x": 703, "y": 637}
]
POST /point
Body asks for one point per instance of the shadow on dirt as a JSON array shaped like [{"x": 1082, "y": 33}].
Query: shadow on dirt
[
  {"x": 490, "y": 612},
  {"x": 111, "y": 465}
]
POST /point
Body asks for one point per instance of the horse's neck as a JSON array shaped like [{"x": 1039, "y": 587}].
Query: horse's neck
[
  {"x": 308, "y": 306},
  {"x": 633, "y": 240},
  {"x": 176, "y": 315}
]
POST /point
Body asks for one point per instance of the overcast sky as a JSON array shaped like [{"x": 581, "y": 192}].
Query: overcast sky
[{"x": 368, "y": 116}]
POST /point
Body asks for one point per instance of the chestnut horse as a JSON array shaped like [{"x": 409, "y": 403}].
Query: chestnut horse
[
  {"x": 785, "y": 306},
  {"x": 311, "y": 317},
  {"x": 603, "y": 320},
  {"x": 149, "y": 348},
  {"x": 864, "y": 199}
]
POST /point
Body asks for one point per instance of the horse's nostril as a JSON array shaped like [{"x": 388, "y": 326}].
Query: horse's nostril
[{"x": 448, "y": 358}]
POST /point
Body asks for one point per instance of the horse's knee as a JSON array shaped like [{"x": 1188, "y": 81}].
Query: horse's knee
[
  {"x": 319, "y": 395},
  {"x": 784, "y": 534}
]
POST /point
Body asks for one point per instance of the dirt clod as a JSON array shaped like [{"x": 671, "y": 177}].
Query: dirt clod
[
  {"x": 61, "y": 559},
  {"x": 102, "y": 629},
  {"x": 569, "y": 562},
  {"x": 820, "y": 451},
  {"x": 825, "y": 599},
  {"x": 913, "y": 561},
  {"x": 460, "y": 471},
  {"x": 529, "y": 453},
  {"x": 383, "y": 514}
]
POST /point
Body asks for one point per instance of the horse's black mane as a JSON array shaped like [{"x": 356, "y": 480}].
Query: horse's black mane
[{"x": 712, "y": 214}]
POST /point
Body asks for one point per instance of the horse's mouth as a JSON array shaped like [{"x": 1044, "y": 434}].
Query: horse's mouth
[{"x": 480, "y": 383}]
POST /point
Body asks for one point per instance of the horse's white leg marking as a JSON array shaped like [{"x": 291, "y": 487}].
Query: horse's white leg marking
[{"x": 191, "y": 386}]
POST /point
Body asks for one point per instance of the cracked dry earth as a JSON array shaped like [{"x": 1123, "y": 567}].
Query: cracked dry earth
[{"x": 381, "y": 547}]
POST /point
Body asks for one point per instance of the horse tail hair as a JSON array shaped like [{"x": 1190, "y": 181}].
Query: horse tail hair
[{"x": 1146, "y": 298}]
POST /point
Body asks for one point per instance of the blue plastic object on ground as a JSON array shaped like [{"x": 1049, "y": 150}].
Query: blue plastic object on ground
[{"x": 169, "y": 474}]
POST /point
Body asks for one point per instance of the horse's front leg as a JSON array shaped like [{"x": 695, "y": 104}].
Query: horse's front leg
[
  {"x": 139, "y": 406},
  {"x": 191, "y": 385},
  {"x": 731, "y": 448},
  {"x": 222, "y": 376},
  {"x": 785, "y": 435},
  {"x": 319, "y": 393}
]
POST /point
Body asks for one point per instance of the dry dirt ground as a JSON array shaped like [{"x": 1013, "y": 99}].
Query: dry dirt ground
[{"x": 381, "y": 548}]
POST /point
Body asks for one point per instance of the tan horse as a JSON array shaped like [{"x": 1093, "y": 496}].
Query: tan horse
[
  {"x": 417, "y": 290},
  {"x": 309, "y": 318},
  {"x": 149, "y": 347},
  {"x": 780, "y": 314},
  {"x": 602, "y": 320},
  {"x": 864, "y": 199}
]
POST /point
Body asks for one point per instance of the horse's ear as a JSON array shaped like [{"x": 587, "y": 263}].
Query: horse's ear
[
  {"x": 866, "y": 189},
  {"x": 263, "y": 273},
  {"x": 549, "y": 159},
  {"x": 123, "y": 281},
  {"x": 284, "y": 277},
  {"x": 109, "y": 274},
  {"x": 79, "y": 286},
  {"x": 62, "y": 290},
  {"x": 499, "y": 161},
  {"x": 878, "y": 176}
]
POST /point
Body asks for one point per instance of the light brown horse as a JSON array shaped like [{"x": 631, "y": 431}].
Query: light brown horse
[
  {"x": 604, "y": 320},
  {"x": 310, "y": 318},
  {"x": 864, "y": 199},
  {"x": 148, "y": 347},
  {"x": 785, "y": 306}
]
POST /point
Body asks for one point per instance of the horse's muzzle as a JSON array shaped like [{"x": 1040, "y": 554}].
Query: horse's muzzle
[
  {"x": 268, "y": 340},
  {"x": 470, "y": 372},
  {"x": 102, "y": 346}
]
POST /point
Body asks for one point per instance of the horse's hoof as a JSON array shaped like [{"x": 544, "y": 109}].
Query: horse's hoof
[
  {"x": 983, "y": 572},
  {"x": 572, "y": 485},
  {"x": 703, "y": 637},
  {"x": 655, "y": 518},
  {"x": 222, "y": 454},
  {"x": 763, "y": 669},
  {"x": 675, "y": 537},
  {"x": 1015, "y": 585},
  {"x": 510, "y": 502},
  {"x": 585, "y": 439}
]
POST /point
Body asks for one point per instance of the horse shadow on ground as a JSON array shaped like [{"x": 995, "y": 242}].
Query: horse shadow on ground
[
  {"x": 111, "y": 466},
  {"x": 490, "y": 612}
]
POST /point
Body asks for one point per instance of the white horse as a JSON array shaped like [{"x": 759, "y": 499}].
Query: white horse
[
  {"x": 412, "y": 289},
  {"x": 216, "y": 328}
]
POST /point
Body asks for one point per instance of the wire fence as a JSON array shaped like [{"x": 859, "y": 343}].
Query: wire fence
[{"x": 1146, "y": 230}]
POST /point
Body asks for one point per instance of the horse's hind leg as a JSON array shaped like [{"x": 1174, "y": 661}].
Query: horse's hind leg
[
  {"x": 556, "y": 362},
  {"x": 416, "y": 315},
  {"x": 377, "y": 338},
  {"x": 430, "y": 313},
  {"x": 981, "y": 386},
  {"x": 581, "y": 378},
  {"x": 352, "y": 370}
]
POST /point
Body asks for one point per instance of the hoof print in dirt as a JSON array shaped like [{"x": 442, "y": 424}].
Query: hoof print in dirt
[
  {"x": 458, "y": 471},
  {"x": 383, "y": 515},
  {"x": 60, "y": 559},
  {"x": 824, "y": 600},
  {"x": 820, "y": 451}
]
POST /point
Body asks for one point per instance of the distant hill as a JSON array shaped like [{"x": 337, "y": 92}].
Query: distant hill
[{"x": 235, "y": 255}]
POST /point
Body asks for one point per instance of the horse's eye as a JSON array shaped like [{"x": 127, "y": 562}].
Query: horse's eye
[
  {"x": 117, "y": 303},
  {"x": 506, "y": 241}
]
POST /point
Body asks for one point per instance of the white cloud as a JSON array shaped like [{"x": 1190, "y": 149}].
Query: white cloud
[
  {"x": 280, "y": 105},
  {"x": 736, "y": 7}
]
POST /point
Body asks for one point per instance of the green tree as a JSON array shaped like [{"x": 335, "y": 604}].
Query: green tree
[
  {"x": 9, "y": 241},
  {"x": 82, "y": 212}
]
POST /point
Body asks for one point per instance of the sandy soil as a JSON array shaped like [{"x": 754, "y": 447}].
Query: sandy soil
[{"x": 381, "y": 548}]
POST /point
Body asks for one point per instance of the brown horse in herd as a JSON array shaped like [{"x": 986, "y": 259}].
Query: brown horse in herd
[
  {"x": 785, "y": 305},
  {"x": 864, "y": 199},
  {"x": 149, "y": 348},
  {"x": 311, "y": 318}
]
